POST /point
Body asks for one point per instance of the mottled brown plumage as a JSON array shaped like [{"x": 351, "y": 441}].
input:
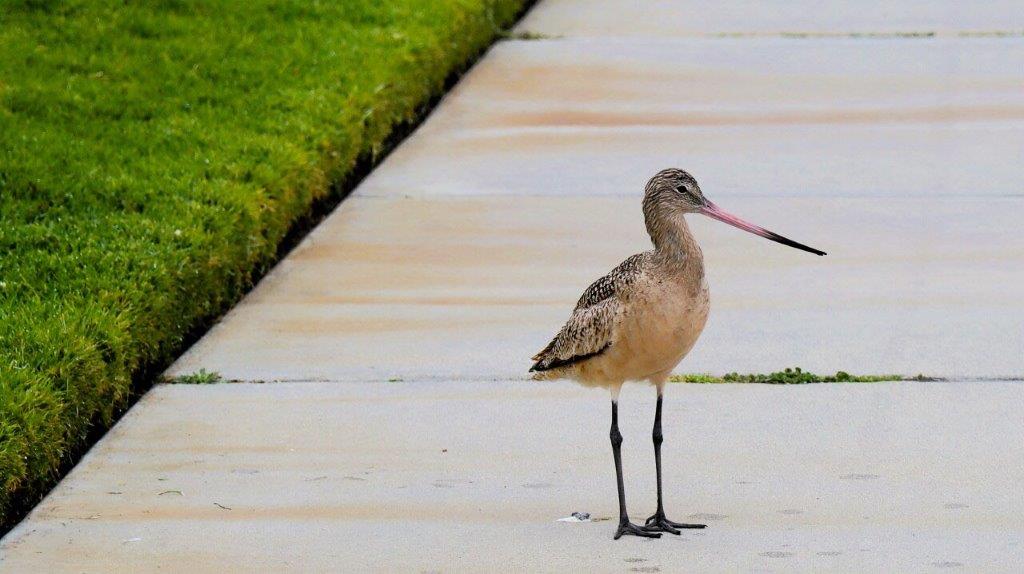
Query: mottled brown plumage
[
  {"x": 637, "y": 322},
  {"x": 590, "y": 329}
]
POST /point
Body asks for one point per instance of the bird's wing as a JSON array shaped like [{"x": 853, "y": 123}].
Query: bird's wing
[
  {"x": 591, "y": 328},
  {"x": 587, "y": 333}
]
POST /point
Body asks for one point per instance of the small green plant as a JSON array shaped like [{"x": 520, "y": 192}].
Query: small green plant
[
  {"x": 696, "y": 379},
  {"x": 794, "y": 376},
  {"x": 202, "y": 377}
]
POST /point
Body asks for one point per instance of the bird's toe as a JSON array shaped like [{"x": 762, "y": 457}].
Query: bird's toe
[
  {"x": 658, "y": 523},
  {"x": 630, "y": 529}
]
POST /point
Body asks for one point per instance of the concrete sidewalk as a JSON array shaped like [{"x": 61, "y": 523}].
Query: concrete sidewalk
[
  {"x": 894, "y": 149},
  {"x": 471, "y": 477},
  {"x": 463, "y": 253},
  {"x": 683, "y": 18}
]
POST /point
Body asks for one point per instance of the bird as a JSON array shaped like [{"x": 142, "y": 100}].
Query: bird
[{"x": 640, "y": 320}]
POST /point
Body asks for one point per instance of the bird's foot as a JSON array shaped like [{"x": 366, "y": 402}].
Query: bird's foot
[
  {"x": 627, "y": 528},
  {"x": 658, "y": 523}
]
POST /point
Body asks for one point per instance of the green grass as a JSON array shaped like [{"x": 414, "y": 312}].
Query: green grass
[
  {"x": 201, "y": 377},
  {"x": 794, "y": 376},
  {"x": 152, "y": 157}
]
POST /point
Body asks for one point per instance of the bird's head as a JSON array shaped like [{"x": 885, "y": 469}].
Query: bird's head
[{"x": 674, "y": 192}]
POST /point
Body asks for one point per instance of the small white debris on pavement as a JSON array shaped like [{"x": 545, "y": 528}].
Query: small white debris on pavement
[{"x": 576, "y": 517}]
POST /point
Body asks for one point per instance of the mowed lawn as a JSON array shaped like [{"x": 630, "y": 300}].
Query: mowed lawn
[{"x": 152, "y": 157}]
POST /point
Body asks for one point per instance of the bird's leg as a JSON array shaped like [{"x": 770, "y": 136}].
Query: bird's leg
[
  {"x": 625, "y": 526},
  {"x": 658, "y": 520}
]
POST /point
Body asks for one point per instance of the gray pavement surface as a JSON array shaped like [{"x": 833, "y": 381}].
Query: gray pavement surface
[
  {"x": 464, "y": 252},
  {"x": 680, "y": 18},
  {"x": 771, "y": 117},
  {"x": 469, "y": 288},
  {"x": 472, "y": 476}
]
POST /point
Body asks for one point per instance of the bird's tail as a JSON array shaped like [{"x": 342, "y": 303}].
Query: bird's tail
[{"x": 549, "y": 375}]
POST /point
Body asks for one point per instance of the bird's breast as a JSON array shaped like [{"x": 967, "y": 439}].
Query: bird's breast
[{"x": 661, "y": 324}]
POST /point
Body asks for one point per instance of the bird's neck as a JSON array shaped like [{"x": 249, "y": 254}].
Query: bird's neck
[{"x": 674, "y": 245}]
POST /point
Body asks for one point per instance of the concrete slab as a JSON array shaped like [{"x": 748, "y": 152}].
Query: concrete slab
[
  {"x": 472, "y": 287},
  {"x": 674, "y": 18},
  {"x": 790, "y": 117},
  {"x": 905, "y": 477},
  {"x": 900, "y": 158}
]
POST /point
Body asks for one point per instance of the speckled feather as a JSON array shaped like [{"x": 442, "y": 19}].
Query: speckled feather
[
  {"x": 591, "y": 328},
  {"x": 652, "y": 305}
]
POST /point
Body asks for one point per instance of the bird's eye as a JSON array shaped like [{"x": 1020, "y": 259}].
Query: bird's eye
[{"x": 681, "y": 189}]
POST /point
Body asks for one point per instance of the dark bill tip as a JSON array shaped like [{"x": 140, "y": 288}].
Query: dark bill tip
[{"x": 785, "y": 241}]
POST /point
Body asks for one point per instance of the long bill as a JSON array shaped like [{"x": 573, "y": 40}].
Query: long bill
[{"x": 715, "y": 212}]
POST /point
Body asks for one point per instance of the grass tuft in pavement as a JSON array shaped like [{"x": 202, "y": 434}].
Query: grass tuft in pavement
[
  {"x": 794, "y": 376},
  {"x": 201, "y": 377},
  {"x": 153, "y": 155}
]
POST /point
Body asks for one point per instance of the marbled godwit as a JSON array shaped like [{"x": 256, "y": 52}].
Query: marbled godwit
[{"x": 637, "y": 322}]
